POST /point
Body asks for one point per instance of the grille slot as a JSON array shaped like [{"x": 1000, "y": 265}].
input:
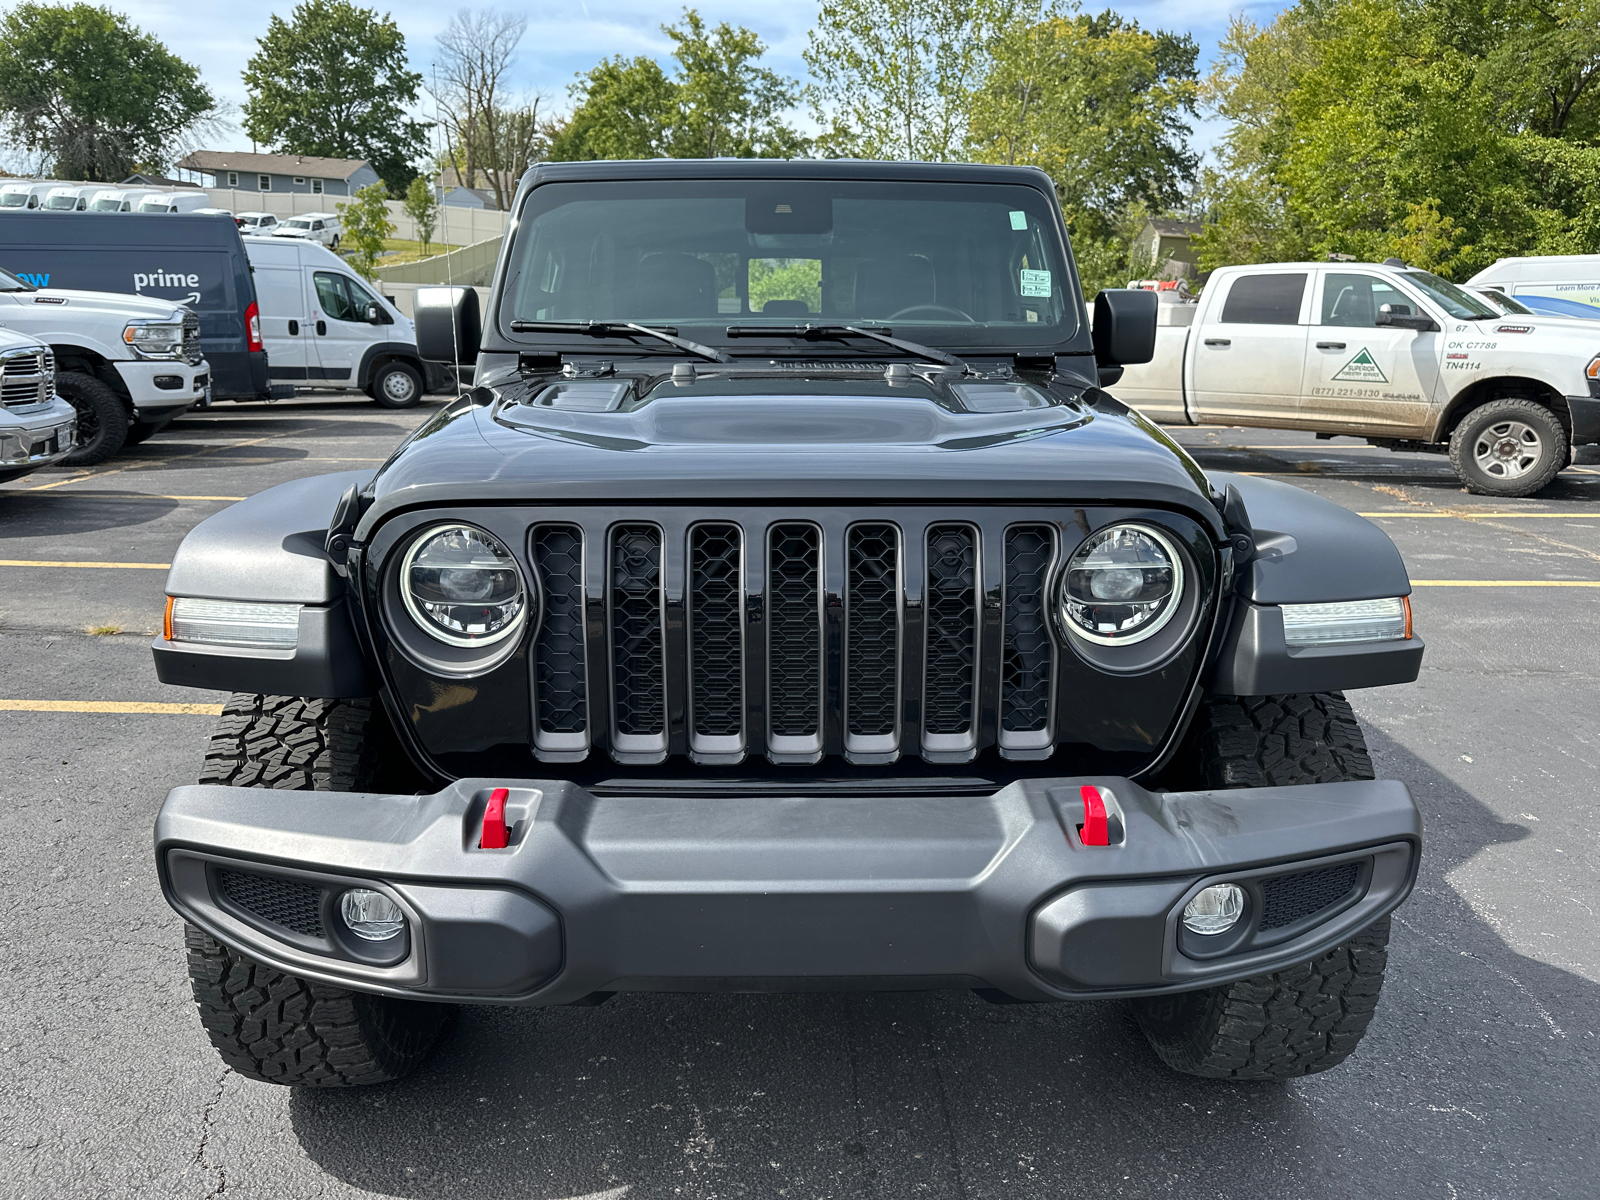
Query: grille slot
[
  {"x": 872, "y": 635},
  {"x": 560, "y": 687},
  {"x": 716, "y": 634},
  {"x": 287, "y": 902},
  {"x": 794, "y": 634},
  {"x": 951, "y": 665},
  {"x": 1028, "y": 655},
  {"x": 25, "y": 377},
  {"x": 1286, "y": 899},
  {"x": 637, "y": 666}
]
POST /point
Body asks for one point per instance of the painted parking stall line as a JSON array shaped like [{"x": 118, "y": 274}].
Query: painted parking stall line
[{"x": 112, "y": 707}]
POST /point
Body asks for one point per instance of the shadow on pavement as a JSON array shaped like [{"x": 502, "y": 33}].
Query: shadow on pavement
[
  {"x": 63, "y": 513},
  {"x": 1472, "y": 1082}
]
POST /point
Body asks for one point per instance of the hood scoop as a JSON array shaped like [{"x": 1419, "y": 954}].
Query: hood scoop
[{"x": 777, "y": 420}]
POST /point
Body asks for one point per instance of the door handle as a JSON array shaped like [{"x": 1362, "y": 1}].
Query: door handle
[
  {"x": 294, "y": 328},
  {"x": 322, "y": 329},
  {"x": 1330, "y": 345},
  {"x": 1219, "y": 341}
]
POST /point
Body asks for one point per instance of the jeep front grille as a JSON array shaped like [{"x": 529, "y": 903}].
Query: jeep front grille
[
  {"x": 723, "y": 634},
  {"x": 27, "y": 376}
]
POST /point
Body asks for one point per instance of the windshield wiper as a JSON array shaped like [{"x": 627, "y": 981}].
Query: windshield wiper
[
  {"x": 814, "y": 332},
  {"x": 619, "y": 329}
]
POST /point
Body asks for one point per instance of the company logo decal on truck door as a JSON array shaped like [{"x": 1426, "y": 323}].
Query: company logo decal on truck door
[{"x": 1361, "y": 369}]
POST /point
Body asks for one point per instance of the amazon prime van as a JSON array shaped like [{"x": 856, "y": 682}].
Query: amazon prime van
[
  {"x": 196, "y": 261},
  {"x": 326, "y": 327}
]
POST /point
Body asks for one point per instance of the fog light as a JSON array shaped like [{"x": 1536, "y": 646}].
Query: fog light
[
  {"x": 371, "y": 915},
  {"x": 1216, "y": 909}
]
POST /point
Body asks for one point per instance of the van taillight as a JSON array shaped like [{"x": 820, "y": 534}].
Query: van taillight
[{"x": 252, "y": 326}]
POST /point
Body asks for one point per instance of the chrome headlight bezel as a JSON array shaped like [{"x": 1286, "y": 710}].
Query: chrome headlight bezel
[
  {"x": 155, "y": 340},
  {"x": 1172, "y": 604},
  {"x": 526, "y": 596}
]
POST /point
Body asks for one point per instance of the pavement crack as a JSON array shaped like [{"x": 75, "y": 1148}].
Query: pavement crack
[{"x": 207, "y": 1124}]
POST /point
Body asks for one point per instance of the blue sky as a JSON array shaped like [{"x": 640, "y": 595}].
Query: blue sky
[{"x": 572, "y": 35}]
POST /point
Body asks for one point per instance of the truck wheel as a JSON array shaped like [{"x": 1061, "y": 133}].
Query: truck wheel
[
  {"x": 1509, "y": 447},
  {"x": 274, "y": 1027},
  {"x": 1306, "y": 1018},
  {"x": 396, "y": 384},
  {"x": 102, "y": 418}
]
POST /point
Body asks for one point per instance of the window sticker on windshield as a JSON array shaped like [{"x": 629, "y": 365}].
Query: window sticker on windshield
[
  {"x": 1019, "y": 219},
  {"x": 1035, "y": 283}
]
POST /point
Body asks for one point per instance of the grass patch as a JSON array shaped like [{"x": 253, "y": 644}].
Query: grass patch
[
  {"x": 404, "y": 250},
  {"x": 103, "y": 630}
]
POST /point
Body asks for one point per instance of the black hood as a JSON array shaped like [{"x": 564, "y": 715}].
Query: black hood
[{"x": 788, "y": 441}]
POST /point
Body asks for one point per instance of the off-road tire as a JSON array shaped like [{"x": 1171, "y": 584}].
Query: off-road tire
[
  {"x": 1306, "y": 1018},
  {"x": 396, "y": 384},
  {"x": 1553, "y": 456},
  {"x": 1280, "y": 1026},
  {"x": 275, "y": 1027},
  {"x": 102, "y": 417}
]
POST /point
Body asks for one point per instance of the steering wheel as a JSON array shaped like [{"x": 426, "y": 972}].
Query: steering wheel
[{"x": 933, "y": 308}]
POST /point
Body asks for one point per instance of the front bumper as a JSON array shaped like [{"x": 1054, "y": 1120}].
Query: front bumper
[
  {"x": 36, "y": 437},
  {"x": 162, "y": 390},
  {"x": 698, "y": 892}
]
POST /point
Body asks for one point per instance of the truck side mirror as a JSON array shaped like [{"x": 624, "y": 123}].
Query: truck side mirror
[
  {"x": 1400, "y": 316},
  {"x": 447, "y": 323},
  {"x": 1124, "y": 330}
]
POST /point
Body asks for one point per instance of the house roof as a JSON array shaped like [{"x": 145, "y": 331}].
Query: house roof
[
  {"x": 1169, "y": 228},
  {"x": 140, "y": 179},
  {"x": 212, "y": 161}
]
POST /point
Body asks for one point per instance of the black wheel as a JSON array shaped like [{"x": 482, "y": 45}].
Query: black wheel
[
  {"x": 102, "y": 417},
  {"x": 1509, "y": 447},
  {"x": 396, "y": 385},
  {"x": 274, "y": 1027},
  {"x": 1306, "y": 1018}
]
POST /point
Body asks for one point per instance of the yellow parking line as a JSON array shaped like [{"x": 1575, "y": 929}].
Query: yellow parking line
[
  {"x": 40, "y": 562},
  {"x": 133, "y": 707},
  {"x": 1585, "y": 583}
]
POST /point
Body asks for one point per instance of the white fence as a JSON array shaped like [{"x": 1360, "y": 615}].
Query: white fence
[{"x": 456, "y": 226}]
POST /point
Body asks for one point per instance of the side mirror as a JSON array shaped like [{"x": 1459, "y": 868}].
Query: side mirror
[
  {"x": 1124, "y": 327},
  {"x": 372, "y": 314},
  {"x": 1400, "y": 316},
  {"x": 447, "y": 322}
]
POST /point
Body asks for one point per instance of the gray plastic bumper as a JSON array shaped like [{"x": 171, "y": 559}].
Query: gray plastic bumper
[{"x": 795, "y": 892}]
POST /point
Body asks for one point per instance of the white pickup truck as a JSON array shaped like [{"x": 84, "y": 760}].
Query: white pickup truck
[
  {"x": 127, "y": 364},
  {"x": 1389, "y": 353}
]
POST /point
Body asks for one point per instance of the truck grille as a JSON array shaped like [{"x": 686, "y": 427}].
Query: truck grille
[
  {"x": 726, "y": 634},
  {"x": 27, "y": 376},
  {"x": 192, "y": 353}
]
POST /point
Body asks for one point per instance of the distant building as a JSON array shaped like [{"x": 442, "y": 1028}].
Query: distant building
[
  {"x": 140, "y": 179},
  {"x": 1169, "y": 244},
  {"x": 480, "y": 185},
  {"x": 294, "y": 173},
  {"x": 464, "y": 197}
]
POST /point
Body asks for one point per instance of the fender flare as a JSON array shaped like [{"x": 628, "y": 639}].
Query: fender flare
[
  {"x": 1465, "y": 400},
  {"x": 1307, "y": 551}
]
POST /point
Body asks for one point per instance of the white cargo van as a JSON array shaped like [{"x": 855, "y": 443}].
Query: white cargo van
[
  {"x": 69, "y": 199},
  {"x": 118, "y": 199},
  {"x": 1571, "y": 281},
  {"x": 174, "y": 202},
  {"x": 25, "y": 194},
  {"x": 324, "y": 326}
]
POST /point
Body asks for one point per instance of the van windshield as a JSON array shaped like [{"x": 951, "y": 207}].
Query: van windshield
[
  {"x": 153, "y": 206},
  {"x": 106, "y": 204},
  {"x": 61, "y": 202},
  {"x": 953, "y": 263},
  {"x": 13, "y": 199}
]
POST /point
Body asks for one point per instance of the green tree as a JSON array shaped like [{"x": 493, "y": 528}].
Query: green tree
[
  {"x": 422, "y": 206},
  {"x": 895, "y": 78},
  {"x": 718, "y": 102},
  {"x": 333, "y": 81},
  {"x": 92, "y": 93},
  {"x": 366, "y": 226}
]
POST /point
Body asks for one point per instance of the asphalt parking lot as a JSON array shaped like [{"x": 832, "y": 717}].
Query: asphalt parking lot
[{"x": 1480, "y": 1077}]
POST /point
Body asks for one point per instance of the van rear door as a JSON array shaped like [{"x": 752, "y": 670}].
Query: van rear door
[{"x": 1247, "y": 357}]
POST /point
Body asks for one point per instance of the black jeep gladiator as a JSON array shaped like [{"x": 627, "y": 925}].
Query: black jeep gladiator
[{"x": 787, "y": 606}]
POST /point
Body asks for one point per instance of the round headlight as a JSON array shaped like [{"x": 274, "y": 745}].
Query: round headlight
[
  {"x": 1121, "y": 585},
  {"x": 463, "y": 587}
]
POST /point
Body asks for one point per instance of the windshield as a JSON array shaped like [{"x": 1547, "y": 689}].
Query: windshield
[
  {"x": 952, "y": 263},
  {"x": 10, "y": 283},
  {"x": 1456, "y": 301},
  {"x": 297, "y": 223},
  {"x": 1506, "y": 304},
  {"x": 153, "y": 206},
  {"x": 13, "y": 199},
  {"x": 106, "y": 204},
  {"x": 61, "y": 202}
]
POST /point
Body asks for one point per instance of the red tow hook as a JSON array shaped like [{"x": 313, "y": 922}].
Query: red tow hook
[
  {"x": 496, "y": 836},
  {"x": 1094, "y": 830}
]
